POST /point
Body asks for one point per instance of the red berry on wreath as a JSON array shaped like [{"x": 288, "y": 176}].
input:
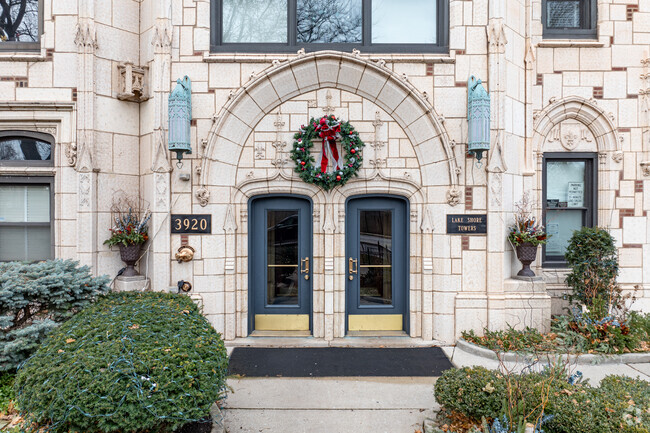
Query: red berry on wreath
[
  {"x": 338, "y": 177},
  {"x": 302, "y": 163},
  {"x": 323, "y": 121},
  {"x": 352, "y": 151}
]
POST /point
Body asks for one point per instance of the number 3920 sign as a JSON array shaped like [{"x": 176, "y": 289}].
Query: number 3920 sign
[{"x": 192, "y": 224}]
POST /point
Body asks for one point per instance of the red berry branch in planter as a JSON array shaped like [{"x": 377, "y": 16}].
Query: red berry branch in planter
[{"x": 332, "y": 168}]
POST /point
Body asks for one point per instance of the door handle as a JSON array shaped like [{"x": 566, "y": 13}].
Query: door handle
[
  {"x": 304, "y": 267},
  {"x": 353, "y": 267}
]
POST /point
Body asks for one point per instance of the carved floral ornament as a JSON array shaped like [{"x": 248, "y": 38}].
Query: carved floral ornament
[{"x": 570, "y": 134}]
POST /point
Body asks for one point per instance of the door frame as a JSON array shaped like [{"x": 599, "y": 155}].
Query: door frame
[
  {"x": 251, "y": 236},
  {"x": 407, "y": 255}
]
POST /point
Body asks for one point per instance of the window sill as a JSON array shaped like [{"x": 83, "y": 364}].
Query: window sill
[
  {"x": 211, "y": 57},
  {"x": 25, "y": 170},
  {"x": 23, "y": 56},
  {"x": 570, "y": 43}
]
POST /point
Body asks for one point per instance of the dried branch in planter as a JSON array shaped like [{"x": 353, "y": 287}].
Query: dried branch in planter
[{"x": 130, "y": 217}]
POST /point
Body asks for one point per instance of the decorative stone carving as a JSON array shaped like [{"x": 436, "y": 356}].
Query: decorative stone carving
[
  {"x": 570, "y": 134},
  {"x": 496, "y": 188},
  {"x": 71, "y": 154},
  {"x": 162, "y": 36},
  {"x": 161, "y": 190},
  {"x": 617, "y": 156},
  {"x": 328, "y": 226},
  {"x": 453, "y": 196},
  {"x": 496, "y": 35},
  {"x": 160, "y": 162},
  {"x": 329, "y": 109},
  {"x": 377, "y": 144},
  {"x": 84, "y": 190},
  {"x": 85, "y": 160},
  {"x": 645, "y": 168},
  {"x": 427, "y": 221},
  {"x": 203, "y": 195},
  {"x": 133, "y": 82},
  {"x": 86, "y": 35},
  {"x": 260, "y": 150},
  {"x": 230, "y": 225}
]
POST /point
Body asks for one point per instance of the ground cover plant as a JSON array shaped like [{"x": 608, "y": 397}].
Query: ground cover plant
[
  {"x": 572, "y": 335},
  {"x": 35, "y": 298},
  {"x": 6, "y": 391},
  {"x": 480, "y": 400},
  {"x": 130, "y": 363},
  {"x": 598, "y": 319}
]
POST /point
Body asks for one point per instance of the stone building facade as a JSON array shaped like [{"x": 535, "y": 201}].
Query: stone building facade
[{"x": 98, "y": 80}]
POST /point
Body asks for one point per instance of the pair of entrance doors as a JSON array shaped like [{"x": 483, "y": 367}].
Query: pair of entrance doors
[{"x": 281, "y": 264}]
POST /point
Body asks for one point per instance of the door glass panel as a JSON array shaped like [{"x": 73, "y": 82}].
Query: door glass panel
[
  {"x": 375, "y": 257},
  {"x": 282, "y": 257}
]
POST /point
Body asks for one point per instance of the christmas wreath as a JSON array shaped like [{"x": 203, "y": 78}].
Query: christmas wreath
[{"x": 328, "y": 129}]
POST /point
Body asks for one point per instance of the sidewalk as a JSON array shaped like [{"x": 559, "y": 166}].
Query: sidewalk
[{"x": 327, "y": 405}]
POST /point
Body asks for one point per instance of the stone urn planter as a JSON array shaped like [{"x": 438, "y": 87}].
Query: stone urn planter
[
  {"x": 526, "y": 253},
  {"x": 130, "y": 255}
]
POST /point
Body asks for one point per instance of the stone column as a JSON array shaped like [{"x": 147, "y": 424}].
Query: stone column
[
  {"x": 157, "y": 183},
  {"x": 86, "y": 42},
  {"x": 495, "y": 171}
]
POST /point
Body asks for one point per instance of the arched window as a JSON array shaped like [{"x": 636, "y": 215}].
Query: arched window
[
  {"x": 26, "y": 148},
  {"x": 26, "y": 205}
]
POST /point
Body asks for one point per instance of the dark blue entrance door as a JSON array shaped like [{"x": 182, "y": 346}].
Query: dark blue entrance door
[
  {"x": 377, "y": 264},
  {"x": 280, "y": 263}
]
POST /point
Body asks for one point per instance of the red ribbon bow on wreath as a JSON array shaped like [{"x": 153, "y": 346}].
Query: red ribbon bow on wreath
[{"x": 329, "y": 132}]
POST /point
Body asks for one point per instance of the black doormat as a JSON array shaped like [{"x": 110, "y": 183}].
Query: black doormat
[{"x": 337, "y": 361}]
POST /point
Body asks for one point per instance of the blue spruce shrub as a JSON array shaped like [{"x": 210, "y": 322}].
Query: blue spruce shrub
[
  {"x": 35, "y": 298},
  {"x": 131, "y": 362}
]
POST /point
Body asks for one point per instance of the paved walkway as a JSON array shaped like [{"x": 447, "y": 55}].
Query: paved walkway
[
  {"x": 329, "y": 405},
  {"x": 359, "y": 405}
]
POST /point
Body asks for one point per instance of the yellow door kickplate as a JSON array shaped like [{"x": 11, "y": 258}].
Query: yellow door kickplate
[
  {"x": 282, "y": 322},
  {"x": 375, "y": 322}
]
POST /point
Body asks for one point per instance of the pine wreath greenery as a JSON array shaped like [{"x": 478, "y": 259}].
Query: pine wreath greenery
[{"x": 326, "y": 131}]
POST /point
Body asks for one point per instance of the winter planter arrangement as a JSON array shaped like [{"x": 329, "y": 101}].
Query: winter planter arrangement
[
  {"x": 526, "y": 234},
  {"x": 129, "y": 233}
]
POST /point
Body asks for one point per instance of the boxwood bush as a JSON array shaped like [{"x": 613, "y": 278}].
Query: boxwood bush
[{"x": 131, "y": 362}]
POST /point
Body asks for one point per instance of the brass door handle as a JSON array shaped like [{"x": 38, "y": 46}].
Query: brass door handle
[
  {"x": 353, "y": 267},
  {"x": 304, "y": 267}
]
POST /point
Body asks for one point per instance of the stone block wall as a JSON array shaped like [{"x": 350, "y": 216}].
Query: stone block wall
[{"x": 410, "y": 110}]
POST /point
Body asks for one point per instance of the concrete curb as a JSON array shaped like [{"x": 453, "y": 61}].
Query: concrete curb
[
  {"x": 217, "y": 420},
  {"x": 585, "y": 359}
]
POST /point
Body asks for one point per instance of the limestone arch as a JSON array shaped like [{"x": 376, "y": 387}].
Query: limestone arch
[
  {"x": 308, "y": 72},
  {"x": 608, "y": 143},
  {"x": 583, "y": 110}
]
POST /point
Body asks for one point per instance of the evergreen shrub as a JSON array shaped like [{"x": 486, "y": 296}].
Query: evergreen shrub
[
  {"x": 37, "y": 297},
  {"x": 131, "y": 362},
  {"x": 593, "y": 259},
  {"x": 475, "y": 392}
]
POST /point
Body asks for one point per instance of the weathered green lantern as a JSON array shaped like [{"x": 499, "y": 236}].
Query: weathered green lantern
[
  {"x": 478, "y": 117},
  {"x": 180, "y": 118}
]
